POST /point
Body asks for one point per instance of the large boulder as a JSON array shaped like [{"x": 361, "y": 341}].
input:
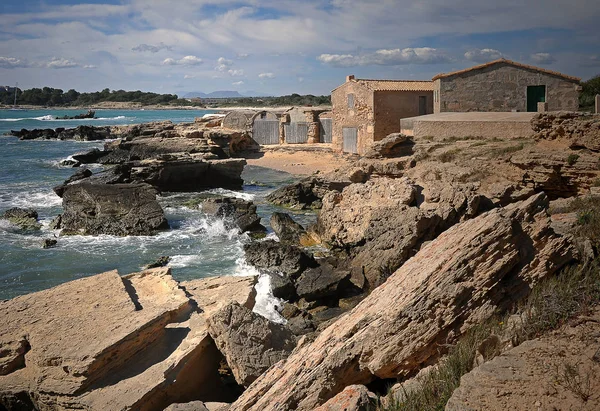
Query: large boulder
[
  {"x": 114, "y": 209},
  {"x": 143, "y": 345},
  {"x": 80, "y": 174},
  {"x": 306, "y": 194},
  {"x": 286, "y": 228},
  {"x": 353, "y": 398},
  {"x": 385, "y": 221},
  {"x": 236, "y": 211},
  {"x": 271, "y": 255},
  {"x": 394, "y": 145},
  {"x": 470, "y": 272},
  {"x": 189, "y": 173},
  {"x": 250, "y": 343},
  {"x": 24, "y": 218}
]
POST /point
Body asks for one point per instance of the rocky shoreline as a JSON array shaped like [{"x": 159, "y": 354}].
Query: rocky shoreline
[{"x": 416, "y": 245}]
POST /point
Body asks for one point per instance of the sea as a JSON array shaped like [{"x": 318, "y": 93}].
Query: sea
[{"x": 199, "y": 246}]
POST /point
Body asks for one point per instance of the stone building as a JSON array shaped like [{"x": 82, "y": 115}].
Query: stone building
[
  {"x": 365, "y": 111},
  {"x": 504, "y": 85}
]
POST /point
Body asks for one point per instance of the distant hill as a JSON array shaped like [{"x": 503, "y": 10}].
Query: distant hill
[
  {"x": 225, "y": 94},
  {"x": 214, "y": 94}
]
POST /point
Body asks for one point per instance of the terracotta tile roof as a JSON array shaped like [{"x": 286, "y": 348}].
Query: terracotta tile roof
[
  {"x": 512, "y": 63},
  {"x": 396, "y": 85}
]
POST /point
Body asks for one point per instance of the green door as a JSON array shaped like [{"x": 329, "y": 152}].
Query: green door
[{"x": 535, "y": 94}]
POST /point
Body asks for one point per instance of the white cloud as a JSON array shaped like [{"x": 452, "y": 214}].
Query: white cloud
[
  {"x": 12, "y": 62},
  {"x": 242, "y": 56},
  {"x": 300, "y": 79},
  {"x": 223, "y": 64},
  {"x": 543, "y": 58},
  {"x": 266, "y": 75},
  {"x": 483, "y": 55},
  {"x": 185, "y": 61},
  {"x": 237, "y": 83},
  {"x": 60, "y": 63},
  {"x": 189, "y": 76},
  {"x": 89, "y": 66},
  {"x": 235, "y": 73},
  {"x": 387, "y": 57}
]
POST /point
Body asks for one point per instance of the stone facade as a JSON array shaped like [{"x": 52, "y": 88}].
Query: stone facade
[
  {"x": 374, "y": 108},
  {"x": 502, "y": 85}
]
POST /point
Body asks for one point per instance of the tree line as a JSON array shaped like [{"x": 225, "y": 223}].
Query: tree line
[
  {"x": 289, "y": 100},
  {"x": 589, "y": 89},
  {"x": 50, "y": 97}
]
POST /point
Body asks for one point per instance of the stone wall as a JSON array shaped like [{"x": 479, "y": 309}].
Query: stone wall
[
  {"x": 361, "y": 116},
  {"x": 502, "y": 87},
  {"x": 391, "y": 106}
]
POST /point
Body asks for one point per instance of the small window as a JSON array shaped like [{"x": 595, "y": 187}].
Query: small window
[{"x": 350, "y": 100}]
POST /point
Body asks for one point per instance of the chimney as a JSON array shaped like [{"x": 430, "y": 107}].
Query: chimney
[{"x": 349, "y": 78}]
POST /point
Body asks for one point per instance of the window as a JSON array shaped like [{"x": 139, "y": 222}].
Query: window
[{"x": 350, "y": 100}]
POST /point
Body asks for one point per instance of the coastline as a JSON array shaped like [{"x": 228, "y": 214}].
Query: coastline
[{"x": 135, "y": 106}]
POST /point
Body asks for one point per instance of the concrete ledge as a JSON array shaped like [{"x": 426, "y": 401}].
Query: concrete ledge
[{"x": 473, "y": 124}]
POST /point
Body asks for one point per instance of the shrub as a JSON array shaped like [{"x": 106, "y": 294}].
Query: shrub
[{"x": 572, "y": 159}]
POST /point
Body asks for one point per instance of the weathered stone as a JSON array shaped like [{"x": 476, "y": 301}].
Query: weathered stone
[
  {"x": 78, "y": 175},
  {"x": 90, "y": 156},
  {"x": 286, "y": 228},
  {"x": 49, "y": 242},
  {"x": 250, "y": 343},
  {"x": 160, "y": 262},
  {"x": 282, "y": 287},
  {"x": 452, "y": 284},
  {"x": 305, "y": 194},
  {"x": 271, "y": 255},
  {"x": 582, "y": 130},
  {"x": 24, "y": 218},
  {"x": 235, "y": 211},
  {"x": 115, "y": 209},
  {"x": 322, "y": 281},
  {"x": 560, "y": 370},
  {"x": 143, "y": 345},
  {"x": 394, "y": 145},
  {"x": 353, "y": 398}
]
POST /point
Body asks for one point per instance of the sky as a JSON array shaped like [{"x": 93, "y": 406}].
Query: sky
[{"x": 281, "y": 47}]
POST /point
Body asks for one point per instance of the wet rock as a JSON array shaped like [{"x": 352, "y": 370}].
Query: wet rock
[
  {"x": 323, "y": 281},
  {"x": 78, "y": 175},
  {"x": 450, "y": 285},
  {"x": 282, "y": 286},
  {"x": 306, "y": 194},
  {"x": 114, "y": 209},
  {"x": 271, "y": 255},
  {"x": 90, "y": 156},
  {"x": 24, "y": 218},
  {"x": 69, "y": 162},
  {"x": 49, "y": 242},
  {"x": 250, "y": 343},
  {"x": 160, "y": 262},
  {"x": 286, "y": 228},
  {"x": 56, "y": 222},
  {"x": 235, "y": 211}
]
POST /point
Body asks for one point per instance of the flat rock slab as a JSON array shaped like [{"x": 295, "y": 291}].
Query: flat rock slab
[
  {"x": 559, "y": 371},
  {"x": 81, "y": 331}
]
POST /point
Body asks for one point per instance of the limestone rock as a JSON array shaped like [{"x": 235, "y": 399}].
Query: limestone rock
[
  {"x": 48, "y": 243},
  {"x": 286, "y": 228},
  {"x": 394, "y": 145},
  {"x": 271, "y": 255},
  {"x": 109, "y": 342},
  {"x": 581, "y": 129},
  {"x": 115, "y": 209},
  {"x": 322, "y": 281},
  {"x": 250, "y": 343},
  {"x": 560, "y": 370},
  {"x": 559, "y": 174},
  {"x": 461, "y": 278},
  {"x": 24, "y": 218},
  {"x": 384, "y": 221},
  {"x": 78, "y": 175},
  {"x": 238, "y": 212},
  {"x": 306, "y": 194},
  {"x": 353, "y": 398}
]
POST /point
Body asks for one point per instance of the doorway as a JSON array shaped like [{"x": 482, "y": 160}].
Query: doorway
[
  {"x": 535, "y": 95},
  {"x": 422, "y": 105}
]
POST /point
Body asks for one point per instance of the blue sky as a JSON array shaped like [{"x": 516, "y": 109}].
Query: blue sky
[{"x": 283, "y": 46}]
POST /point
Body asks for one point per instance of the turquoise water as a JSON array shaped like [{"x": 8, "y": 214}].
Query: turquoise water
[{"x": 199, "y": 246}]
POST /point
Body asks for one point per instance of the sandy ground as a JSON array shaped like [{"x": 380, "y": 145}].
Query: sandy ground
[{"x": 299, "y": 162}]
